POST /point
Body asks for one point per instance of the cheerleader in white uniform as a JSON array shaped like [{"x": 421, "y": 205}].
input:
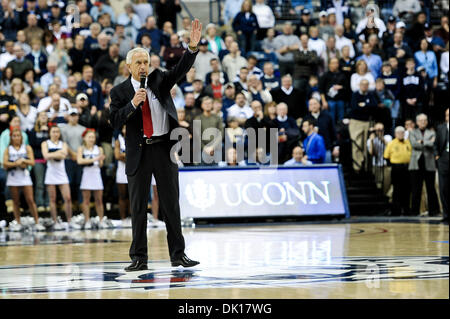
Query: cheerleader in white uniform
[
  {"x": 91, "y": 157},
  {"x": 54, "y": 150},
  {"x": 16, "y": 159},
  {"x": 121, "y": 178}
]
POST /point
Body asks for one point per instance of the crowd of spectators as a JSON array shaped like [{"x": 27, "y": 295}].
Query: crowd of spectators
[{"x": 322, "y": 79}]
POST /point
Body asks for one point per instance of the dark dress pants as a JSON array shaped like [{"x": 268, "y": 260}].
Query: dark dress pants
[
  {"x": 443, "y": 181},
  {"x": 417, "y": 179},
  {"x": 155, "y": 160}
]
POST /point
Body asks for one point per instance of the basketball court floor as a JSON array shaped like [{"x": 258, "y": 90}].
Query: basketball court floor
[{"x": 394, "y": 260}]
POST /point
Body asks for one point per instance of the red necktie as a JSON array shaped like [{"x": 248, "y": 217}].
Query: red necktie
[{"x": 147, "y": 119}]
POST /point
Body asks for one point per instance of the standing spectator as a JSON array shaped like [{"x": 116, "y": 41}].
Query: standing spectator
[
  {"x": 215, "y": 66},
  {"x": 228, "y": 98},
  {"x": 270, "y": 80},
  {"x": 32, "y": 31},
  {"x": 215, "y": 43},
  {"x": 48, "y": 78},
  {"x": 398, "y": 153},
  {"x": 442, "y": 31},
  {"x": 316, "y": 43},
  {"x": 154, "y": 33},
  {"x": 325, "y": 127},
  {"x": 107, "y": 65},
  {"x": 233, "y": 61},
  {"x": 332, "y": 91},
  {"x": 166, "y": 10},
  {"x": 125, "y": 40},
  {"x": 363, "y": 105},
  {"x": 8, "y": 55},
  {"x": 256, "y": 90},
  {"x": 215, "y": 88},
  {"x": 362, "y": 73},
  {"x": 37, "y": 58},
  {"x": 173, "y": 53},
  {"x": 231, "y": 9},
  {"x": 245, "y": 24},
  {"x": 55, "y": 151},
  {"x": 342, "y": 41},
  {"x": 99, "y": 8},
  {"x": 19, "y": 65},
  {"x": 21, "y": 38},
  {"x": 386, "y": 105},
  {"x": 441, "y": 155},
  {"x": 288, "y": 132},
  {"x": 283, "y": 43},
  {"x": 294, "y": 98},
  {"x": 415, "y": 33},
  {"x": 202, "y": 62},
  {"x": 422, "y": 166},
  {"x": 129, "y": 19},
  {"x": 306, "y": 63},
  {"x": 265, "y": 17},
  {"x": 91, "y": 88},
  {"x": 259, "y": 121},
  {"x": 313, "y": 144},
  {"x": 60, "y": 55},
  {"x": 71, "y": 134},
  {"x": 8, "y": 23},
  {"x": 241, "y": 111},
  {"x": 91, "y": 157},
  {"x": 411, "y": 91},
  {"x": 190, "y": 110},
  {"x": 325, "y": 29},
  {"x": 347, "y": 67},
  {"x": 427, "y": 59},
  {"x": 373, "y": 61},
  {"x": 71, "y": 93},
  {"x": 306, "y": 22},
  {"x": 143, "y": 9},
  {"x": 87, "y": 115},
  {"x": 406, "y": 9},
  {"x": 79, "y": 55},
  {"x": 399, "y": 49},
  {"x": 298, "y": 158},
  {"x": 146, "y": 43}
]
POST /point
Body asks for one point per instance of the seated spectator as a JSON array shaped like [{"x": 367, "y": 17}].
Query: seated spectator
[
  {"x": 259, "y": 121},
  {"x": 187, "y": 86},
  {"x": 215, "y": 66},
  {"x": 215, "y": 43},
  {"x": 313, "y": 144},
  {"x": 268, "y": 44},
  {"x": 284, "y": 45},
  {"x": 91, "y": 87},
  {"x": 240, "y": 110},
  {"x": 229, "y": 39},
  {"x": 155, "y": 63},
  {"x": 306, "y": 63},
  {"x": 270, "y": 111},
  {"x": 48, "y": 78},
  {"x": 129, "y": 18},
  {"x": 100, "y": 49},
  {"x": 442, "y": 31},
  {"x": 58, "y": 111},
  {"x": 325, "y": 127},
  {"x": 312, "y": 89},
  {"x": 316, "y": 43},
  {"x": 293, "y": 97},
  {"x": 324, "y": 27},
  {"x": 19, "y": 65},
  {"x": 231, "y": 159},
  {"x": 33, "y": 31},
  {"x": 198, "y": 91},
  {"x": 79, "y": 55},
  {"x": 376, "y": 46},
  {"x": 125, "y": 40},
  {"x": 190, "y": 110},
  {"x": 245, "y": 24},
  {"x": 298, "y": 158},
  {"x": 229, "y": 97},
  {"x": 256, "y": 90},
  {"x": 411, "y": 91},
  {"x": 122, "y": 73},
  {"x": 202, "y": 63},
  {"x": 415, "y": 32},
  {"x": 8, "y": 55},
  {"x": 87, "y": 115},
  {"x": 217, "y": 108},
  {"x": 233, "y": 61},
  {"x": 37, "y": 58},
  {"x": 373, "y": 61},
  {"x": 363, "y": 106},
  {"x": 342, "y": 41},
  {"x": 288, "y": 132},
  {"x": 146, "y": 43},
  {"x": 398, "y": 153},
  {"x": 215, "y": 88},
  {"x": 101, "y": 7},
  {"x": 332, "y": 92},
  {"x": 240, "y": 83},
  {"x": 252, "y": 68},
  {"x": 269, "y": 79},
  {"x": 107, "y": 65},
  {"x": 234, "y": 134},
  {"x": 362, "y": 26},
  {"x": 155, "y": 34},
  {"x": 174, "y": 52},
  {"x": 362, "y": 73}
]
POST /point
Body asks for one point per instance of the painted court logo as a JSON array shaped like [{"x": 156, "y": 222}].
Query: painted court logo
[{"x": 103, "y": 276}]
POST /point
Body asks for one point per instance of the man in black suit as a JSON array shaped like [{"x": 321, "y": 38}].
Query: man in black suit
[
  {"x": 150, "y": 116},
  {"x": 441, "y": 153}
]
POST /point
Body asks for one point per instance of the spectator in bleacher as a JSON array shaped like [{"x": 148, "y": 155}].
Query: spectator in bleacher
[
  {"x": 185, "y": 27},
  {"x": 332, "y": 91},
  {"x": 435, "y": 43},
  {"x": 146, "y": 43},
  {"x": 257, "y": 91},
  {"x": 349, "y": 31},
  {"x": 186, "y": 86},
  {"x": 386, "y": 105},
  {"x": 60, "y": 55},
  {"x": 362, "y": 73},
  {"x": 19, "y": 65},
  {"x": 231, "y": 9},
  {"x": 215, "y": 66},
  {"x": 199, "y": 91},
  {"x": 363, "y": 105},
  {"x": 427, "y": 59},
  {"x": 122, "y": 73},
  {"x": 270, "y": 80},
  {"x": 8, "y": 55},
  {"x": 79, "y": 55},
  {"x": 209, "y": 120},
  {"x": 442, "y": 31},
  {"x": 17, "y": 88},
  {"x": 441, "y": 149},
  {"x": 167, "y": 31},
  {"x": 306, "y": 62},
  {"x": 376, "y": 46},
  {"x": 325, "y": 127},
  {"x": 293, "y": 97},
  {"x": 422, "y": 166},
  {"x": 313, "y": 144},
  {"x": 252, "y": 61},
  {"x": 305, "y": 23},
  {"x": 129, "y": 18},
  {"x": 155, "y": 63},
  {"x": 265, "y": 17},
  {"x": 312, "y": 88},
  {"x": 91, "y": 87},
  {"x": 101, "y": 7},
  {"x": 342, "y": 41},
  {"x": 71, "y": 92},
  {"x": 229, "y": 96},
  {"x": 324, "y": 29},
  {"x": 268, "y": 45},
  {"x": 398, "y": 153},
  {"x": 240, "y": 83},
  {"x": 215, "y": 88},
  {"x": 388, "y": 35},
  {"x": 191, "y": 111},
  {"x": 228, "y": 40},
  {"x": 48, "y": 78},
  {"x": 406, "y": 9},
  {"x": 399, "y": 48},
  {"x": 125, "y": 40},
  {"x": 376, "y": 145},
  {"x": 259, "y": 121},
  {"x": 202, "y": 62},
  {"x": 411, "y": 91},
  {"x": 331, "y": 51},
  {"x": 155, "y": 33},
  {"x": 166, "y": 10},
  {"x": 21, "y": 38},
  {"x": 245, "y": 24},
  {"x": 20, "y": 15},
  {"x": 37, "y": 135},
  {"x": 233, "y": 61},
  {"x": 231, "y": 159},
  {"x": 270, "y": 111},
  {"x": 26, "y": 112},
  {"x": 88, "y": 115},
  {"x": 288, "y": 132},
  {"x": 283, "y": 44},
  {"x": 7, "y": 20},
  {"x": 241, "y": 111},
  {"x": 347, "y": 67},
  {"x": 37, "y": 58},
  {"x": 33, "y": 31},
  {"x": 341, "y": 10},
  {"x": 362, "y": 26},
  {"x": 373, "y": 61},
  {"x": 416, "y": 31},
  {"x": 215, "y": 43},
  {"x": 174, "y": 52},
  {"x": 101, "y": 48},
  {"x": 316, "y": 43},
  {"x": 298, "y": 158},
  {"x": 234, "y": 134},
  {"x": 143, "y": 9}
]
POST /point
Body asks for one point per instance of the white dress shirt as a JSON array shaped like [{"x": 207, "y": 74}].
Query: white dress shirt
[{"x": 160, "y": 118}]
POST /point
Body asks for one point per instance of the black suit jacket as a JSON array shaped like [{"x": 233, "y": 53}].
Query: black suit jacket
[
  {"x": 123, "y": 112},
  {"x": 441, "y": 139}
]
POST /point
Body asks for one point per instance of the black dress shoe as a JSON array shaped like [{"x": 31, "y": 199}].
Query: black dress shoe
[
  {"x": 137, "y": 265},
  {"x": 184, "y": 261}
]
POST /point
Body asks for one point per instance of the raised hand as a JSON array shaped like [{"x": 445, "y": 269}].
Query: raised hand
[{"x": 196, "y": 33}]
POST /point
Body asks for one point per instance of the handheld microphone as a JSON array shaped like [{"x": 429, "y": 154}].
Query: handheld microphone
[{"x": 143, "y": 78}]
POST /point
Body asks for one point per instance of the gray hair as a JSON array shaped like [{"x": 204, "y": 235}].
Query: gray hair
[
  {"x": 133, "y": 52},
  {"x": 421, "y": 115},
  {"x": 399, "y": 129}
]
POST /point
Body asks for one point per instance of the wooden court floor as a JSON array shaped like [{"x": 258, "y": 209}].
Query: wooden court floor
[{"x": 307, "y": 261}]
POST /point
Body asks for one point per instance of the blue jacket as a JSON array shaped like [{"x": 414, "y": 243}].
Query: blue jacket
[
  {"x": 314, "y": 146},
  {"x": 427, "y": 60}
]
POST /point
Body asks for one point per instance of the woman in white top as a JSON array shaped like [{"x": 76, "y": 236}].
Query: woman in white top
[
  {"x": 16, "y": 159},
  {"x": 91, "y": 157},
  {"x": 54, "y": 151},
  {"x": 121, "y": 177},
  {"x": 362, "y": 72},
  {"x": 26, "y": 112}
]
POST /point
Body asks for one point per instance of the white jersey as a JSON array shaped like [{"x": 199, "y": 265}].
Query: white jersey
[
  {"x": 56, "y": 169},
  {"x": 18, "y": 176},
  {"x": 121, "y": 177},
  {"x": 92, "y": 176}
]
